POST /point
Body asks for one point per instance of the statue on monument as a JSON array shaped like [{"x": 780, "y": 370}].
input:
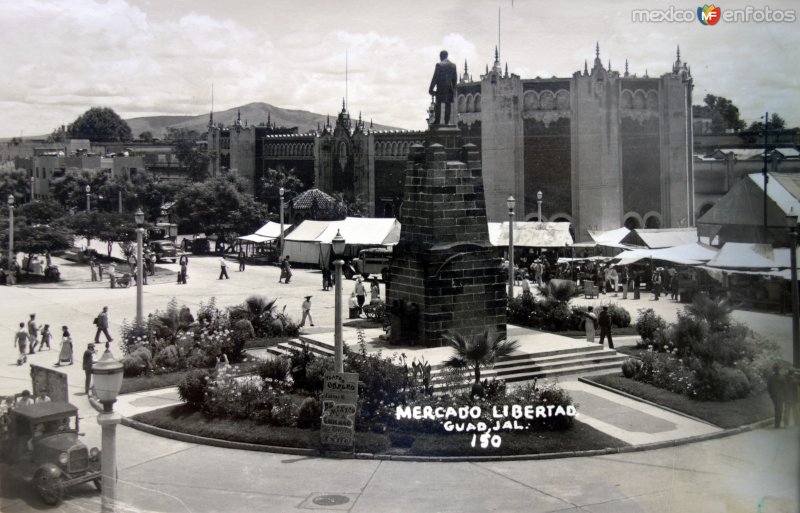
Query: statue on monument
[{"x": 443, "y": 87}]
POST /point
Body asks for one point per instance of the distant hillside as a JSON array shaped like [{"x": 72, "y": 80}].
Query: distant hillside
[{"x": 252, "y": 113}]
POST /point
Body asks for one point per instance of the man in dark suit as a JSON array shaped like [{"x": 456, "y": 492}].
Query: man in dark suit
[
  {"x": 444, "y": 81},
  {"x": 604, "y": 320}
]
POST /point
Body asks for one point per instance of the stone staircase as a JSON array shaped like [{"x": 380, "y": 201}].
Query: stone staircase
[
  {"x": 316, "y": 347},
  {"x": 578, "y": 358}
]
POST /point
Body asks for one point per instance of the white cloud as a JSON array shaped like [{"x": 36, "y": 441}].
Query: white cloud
[{"x": 62, "y": 57}]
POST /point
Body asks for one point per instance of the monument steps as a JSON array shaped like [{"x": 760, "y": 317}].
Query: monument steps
[
  {"x": 522, "y": 366},
  {"x": 295, "y": 346}
]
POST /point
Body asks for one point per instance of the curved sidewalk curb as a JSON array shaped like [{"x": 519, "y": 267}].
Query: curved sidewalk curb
[
  {"x": 226, "y": 444},
  {"x": 607, "y": 388}
]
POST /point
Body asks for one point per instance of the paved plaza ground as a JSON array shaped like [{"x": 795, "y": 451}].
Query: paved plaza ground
[{"x": 753, "y": 471}]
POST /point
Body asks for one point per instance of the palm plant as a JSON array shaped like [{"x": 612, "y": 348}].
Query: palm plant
[
  {"x": 168, "y": 326},
  {"x": 477, "y": 352},
  {"x": 259, "y": 310},
  {"x": 715, "y": 312}
]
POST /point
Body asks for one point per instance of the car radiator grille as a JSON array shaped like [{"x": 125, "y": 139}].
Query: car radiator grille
[{"x": 78, "y": 459}]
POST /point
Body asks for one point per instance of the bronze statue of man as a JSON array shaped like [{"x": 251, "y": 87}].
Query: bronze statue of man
[{"x": 444, "y": 81}]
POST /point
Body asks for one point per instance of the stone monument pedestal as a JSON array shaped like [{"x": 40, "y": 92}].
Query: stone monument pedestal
[{"x": 444, "y": 275}]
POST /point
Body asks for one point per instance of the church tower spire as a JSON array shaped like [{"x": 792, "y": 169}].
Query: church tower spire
[{"x": 626, "y": 68}]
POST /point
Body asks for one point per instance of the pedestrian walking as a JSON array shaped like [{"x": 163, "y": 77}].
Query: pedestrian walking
[
  {"x": 657, "y": 283},
  {"x": 182, "y": 274},
  {"x": 286, "y": 270},
  {"x": 306, "y": 312},
  {"x": 590, "y": 324},
  {"x": 604, "y": 320},
  {"x": 65, "y": 355},
  {"x": 47, "y": 337},
  {"x": 223, "y": 268},
  {"x": 88, "y": 365},
  {"x": 112, "y": 274},
  {"x": 101, "y": 321},
  {"x": 93, "y": 268},
  {"x": 776, "y": 390},
  {"x": 625, "y": 278},
  {"x": 33, "y": 332},
  {"x": 326, "y": 278},
  {"x": 361, "y": 294},
  {"x": 240, "y": 259},
  {"x": 21, "y": 341},
  {"x": 791, "y": 409},
  {"x": 526, "y": 285},
  {"x": 637, "y": 285}
]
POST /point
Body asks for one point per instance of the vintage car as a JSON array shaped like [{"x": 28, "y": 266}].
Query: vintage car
[
  {"x": 164, "y": 249},
  {"x": 42, "y": 442},
  {"x": 371, "y": 261}
]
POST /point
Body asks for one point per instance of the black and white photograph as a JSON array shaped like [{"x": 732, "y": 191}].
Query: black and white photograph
[{"x": 406, "y": 257}]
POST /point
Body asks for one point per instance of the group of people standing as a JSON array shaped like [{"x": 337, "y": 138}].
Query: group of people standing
[{"x": 28, "y": 337}]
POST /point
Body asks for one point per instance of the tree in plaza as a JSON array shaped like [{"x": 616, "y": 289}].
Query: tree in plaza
[
  {"x": 268, "y": 186},
  {"x": 109, "y": 227},
  {"x": 146, "y": 136},
  {"x": 69, "y": 189},
  {"x": 723, "y": 113},
  {"x": 40, "y": 212},
  {"x": 191, "y": 156},
  {"x": 477, "y": 352},
  {"x": 350, "y": 208},
  {"x": 39, "y": 238},
  {"x": 100, "y": 124},
  {"x": 208, "y": 206},
  {"x": 15, "y": 182}
]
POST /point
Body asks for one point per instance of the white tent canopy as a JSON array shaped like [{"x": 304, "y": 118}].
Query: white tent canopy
[
  {"x": 686, "y": 254},
  {"x": 310, "y": 242},
  {"x": 610, "y": 238},
  {"x": 740, "y": 255},
  {"x": 531, "y": 234}
]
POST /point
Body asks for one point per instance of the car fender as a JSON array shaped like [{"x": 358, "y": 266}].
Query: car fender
[{"x": 50, "y": 469}]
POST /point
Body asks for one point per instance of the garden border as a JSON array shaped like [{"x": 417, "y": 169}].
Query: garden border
[{"x": 227, "y": 444}]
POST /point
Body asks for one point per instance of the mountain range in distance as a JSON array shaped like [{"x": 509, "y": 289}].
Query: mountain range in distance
[{"x": 252, "y": 114}]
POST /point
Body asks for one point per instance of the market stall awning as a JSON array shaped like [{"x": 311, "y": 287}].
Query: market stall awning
[
  {"x": 531, "y": 234},
  {"x": 660, "y": 237},
  {"x": 686, "y": 254},
  {"x": 612, "y": 238},
  {"x": 742, "y": 255}
]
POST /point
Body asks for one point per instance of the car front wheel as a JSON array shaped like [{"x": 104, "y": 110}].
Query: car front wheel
[{"x": 49, "y": 488}]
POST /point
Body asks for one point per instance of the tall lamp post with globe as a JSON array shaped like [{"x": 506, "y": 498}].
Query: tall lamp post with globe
[
  {"x": 88, "y": 190},
  {"x": 539, "y": 205},
  {"x": 791, "y": 221},
  {"x": 281, "y": 191},
  {"x": 338, "y": 244},
  {"x": 139, "y": 218},
  {"x": 10, "y": 277},
  {"x": 107, "y": 377},
  {"x": 510, "y": 204}
]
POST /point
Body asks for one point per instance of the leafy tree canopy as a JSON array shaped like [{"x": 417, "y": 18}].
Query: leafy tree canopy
[
  {"x": 776, "y": 122},
  {"x": 723, "y": 113},
  {"x": 105, "y": 226},
  {"x": 190, "y": 155},
  {"x": 40, "y": 212},
  {"x": 15, "y": 182},
  {"x": 218, "y": 205},
  {"x": 39, "y": 238},
  {"x": 69, "y": 189},
  {"x": 100, "y": 124}
]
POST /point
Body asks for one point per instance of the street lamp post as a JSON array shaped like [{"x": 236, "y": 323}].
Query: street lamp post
[
  {"x": 338, "y": 244},
  {"x": 539, "y": 204},
  {"x": 33, "y": 190},
  {"x": 791, "y": 219},
  {"x": 88, "y": 190},
  {"x": 107, "y": 375},
  {"x": 10, "y": 278},
  {"x": 119, "y": 200},
  {"x": 510, "y": 203},
  {"x": 280, "y": 192},
  {"x": 139, "y": 217}
]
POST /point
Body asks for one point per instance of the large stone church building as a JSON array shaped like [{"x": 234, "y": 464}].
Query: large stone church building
[{"x": 605, "y": 148}]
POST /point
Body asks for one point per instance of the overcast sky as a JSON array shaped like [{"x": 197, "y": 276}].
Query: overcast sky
[{"x": 147, "y": 57}]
